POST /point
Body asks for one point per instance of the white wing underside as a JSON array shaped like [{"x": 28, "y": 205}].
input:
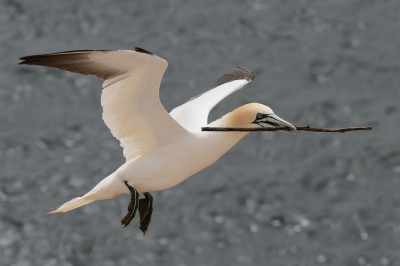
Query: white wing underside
[
  {"x": 133, "y": 111},
  {"x": 130, "y": 99},
  {"x": 193, "y": 114}
]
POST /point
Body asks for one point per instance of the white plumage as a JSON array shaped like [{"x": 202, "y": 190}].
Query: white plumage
[{"x": 161, "y": 149}]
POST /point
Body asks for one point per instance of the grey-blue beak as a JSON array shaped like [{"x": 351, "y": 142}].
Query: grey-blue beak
[{"x": 272, "y": 120}]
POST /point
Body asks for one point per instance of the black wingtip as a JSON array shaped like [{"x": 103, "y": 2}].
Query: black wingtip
[
  {"x": 32, "y": 59},
  {"x": 23, "y": 60},
  {"x": 240, "y": 72},
  {"x": 247, "y": 72},
  {"x": 141, "y": 50}
]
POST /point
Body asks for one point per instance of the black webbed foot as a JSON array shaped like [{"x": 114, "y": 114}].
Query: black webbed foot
[
  {"x": 145, "y": 212},
  {"x": 132, "y": 207}
]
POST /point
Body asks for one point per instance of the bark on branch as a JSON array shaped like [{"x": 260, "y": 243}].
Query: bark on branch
[{"x": 304, "y": 128}]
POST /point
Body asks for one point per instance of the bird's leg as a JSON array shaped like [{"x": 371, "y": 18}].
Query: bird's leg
[
  {"x": 132, "y": 207},
  {"x": 145, "y": 211}
]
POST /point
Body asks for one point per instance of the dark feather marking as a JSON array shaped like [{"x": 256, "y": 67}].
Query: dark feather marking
[
  {"x": 73, "y": 61},
  {"x": 141, "y": 50},
  {"x": 60, "y": 53},
  {"x": 234, "y": 74}
]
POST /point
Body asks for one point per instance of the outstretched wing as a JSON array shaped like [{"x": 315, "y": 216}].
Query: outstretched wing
[
  {"x": 193, "y": 114},
  {"x": 130, "y": 99}
]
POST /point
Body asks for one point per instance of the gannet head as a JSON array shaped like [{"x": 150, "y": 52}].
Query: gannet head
[{"x": 257, "y": 115}]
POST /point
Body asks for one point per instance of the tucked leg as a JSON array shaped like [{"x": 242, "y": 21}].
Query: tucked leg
[
  {"x": 132, "y": 207},
  {"x": 145, "y": 211}
]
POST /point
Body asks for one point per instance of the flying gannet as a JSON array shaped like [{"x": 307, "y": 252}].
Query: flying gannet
[{"x": 161, "y": 149}]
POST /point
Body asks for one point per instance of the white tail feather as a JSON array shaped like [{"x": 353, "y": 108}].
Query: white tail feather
[
  {"x": 72, "y": 204},
  {"x": 107, "y": 188}
]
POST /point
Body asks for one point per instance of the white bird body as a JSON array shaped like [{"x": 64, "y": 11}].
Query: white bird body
[
  {"x": 169, "y": 165},
  {"x": 189, "y": 156},
  {"x": 161, "y": 149}
]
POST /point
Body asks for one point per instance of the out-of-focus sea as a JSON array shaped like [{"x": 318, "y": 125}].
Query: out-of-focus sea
[{"x": 274, "y": 199}]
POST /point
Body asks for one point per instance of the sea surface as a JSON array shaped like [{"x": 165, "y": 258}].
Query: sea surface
[{"x": 274, "y": 199}]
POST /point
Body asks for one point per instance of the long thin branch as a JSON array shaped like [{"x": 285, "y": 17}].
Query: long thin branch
[{"x": 304, "y": 128}]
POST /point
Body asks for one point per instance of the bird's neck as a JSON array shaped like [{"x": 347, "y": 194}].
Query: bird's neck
[
  {"x": 223, "y": 141},
  {"x": 232, "y": 119}
]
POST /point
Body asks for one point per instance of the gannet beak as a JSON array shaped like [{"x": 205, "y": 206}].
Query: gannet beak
[{"x": 272, "y": 120}]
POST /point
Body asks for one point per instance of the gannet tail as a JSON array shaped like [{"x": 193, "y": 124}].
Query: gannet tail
[
  {"x": 72, "y": 204},
  {"x": 108, "y": 188}
]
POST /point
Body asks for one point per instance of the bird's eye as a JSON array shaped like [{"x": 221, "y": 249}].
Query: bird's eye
[{"x": 260, "y": 116}]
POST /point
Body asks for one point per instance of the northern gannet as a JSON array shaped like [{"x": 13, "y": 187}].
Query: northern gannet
[{"x": 161, "y": 149}]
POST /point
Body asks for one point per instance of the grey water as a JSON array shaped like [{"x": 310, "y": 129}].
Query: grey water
[{"x": 274, "y": 199}]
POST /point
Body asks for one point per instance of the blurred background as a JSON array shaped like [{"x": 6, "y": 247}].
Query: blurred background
[{"x": 274, "y": 199}]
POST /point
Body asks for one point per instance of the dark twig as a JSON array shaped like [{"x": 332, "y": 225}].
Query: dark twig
[{"x": 304, "y": 128}]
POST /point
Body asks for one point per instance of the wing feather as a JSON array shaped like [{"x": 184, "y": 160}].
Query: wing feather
[
  {"x": 130, "y": 99},
  {"x": 193, "y": 114}
]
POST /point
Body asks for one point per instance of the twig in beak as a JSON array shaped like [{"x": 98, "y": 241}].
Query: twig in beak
[{"x": 304, "y": 128}]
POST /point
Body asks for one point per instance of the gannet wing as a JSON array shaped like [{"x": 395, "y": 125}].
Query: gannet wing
[
  {"x": 130, "y": 98},
  {"x": 193, "y": 114}
]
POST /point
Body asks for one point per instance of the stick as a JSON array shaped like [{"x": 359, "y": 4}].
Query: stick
[{"x": 304, "y": 128}]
